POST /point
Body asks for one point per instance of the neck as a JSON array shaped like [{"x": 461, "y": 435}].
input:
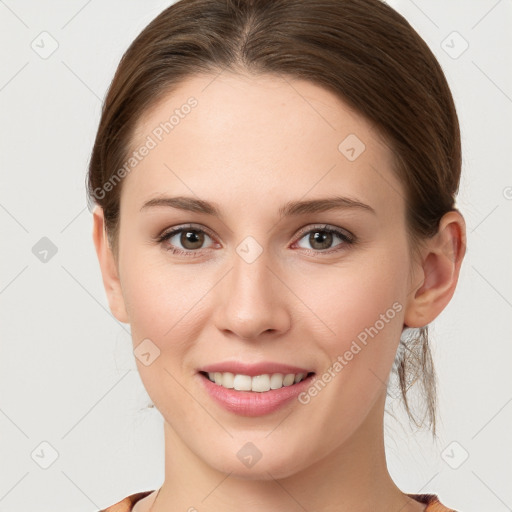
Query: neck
[{"x": 354, "y": 476}]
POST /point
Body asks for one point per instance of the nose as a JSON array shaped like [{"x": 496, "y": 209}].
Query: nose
[{"x": 252, "y": 300}]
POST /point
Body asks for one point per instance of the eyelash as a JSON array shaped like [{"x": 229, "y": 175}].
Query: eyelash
[{"x": 348, "y": 239}]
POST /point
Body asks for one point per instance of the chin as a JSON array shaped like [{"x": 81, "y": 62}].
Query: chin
[
  {"x": 261, "y": 471},
  {"x": 249, "y": 462}
]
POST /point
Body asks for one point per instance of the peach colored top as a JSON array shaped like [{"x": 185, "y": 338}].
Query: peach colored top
[{"x": 431, "y": 500}]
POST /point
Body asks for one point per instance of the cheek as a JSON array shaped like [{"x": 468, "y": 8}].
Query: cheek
[
  {"x": 359, "y": 308},
  {"x": 351, "y": 299},
  {"x": 164, "y": 305},
  {"x": 162, "y": 299}
]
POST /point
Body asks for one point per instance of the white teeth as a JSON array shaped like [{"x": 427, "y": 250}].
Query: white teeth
[
  {"x": 289, "y": 379},
  {"x": 242, "y": 383},
  {"x": 261, "y": 383},
  {"x": 228, "y": 380},
  {"x": 276, "y": 381},
  {"x": 258, "y": 383}
]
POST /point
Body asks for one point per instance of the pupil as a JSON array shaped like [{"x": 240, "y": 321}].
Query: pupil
[
  {"x": 325, "y": 239},
  {"x": 192, "y": 237}
]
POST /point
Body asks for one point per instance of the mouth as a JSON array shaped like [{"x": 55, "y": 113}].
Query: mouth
[{"x": 257, "y": 383}]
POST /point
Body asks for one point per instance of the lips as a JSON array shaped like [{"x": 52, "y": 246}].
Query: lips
[
  {"x": 251, "y": 403},
  {"x": 253, "y": 389},
  {"x": 265, "y": 367}
]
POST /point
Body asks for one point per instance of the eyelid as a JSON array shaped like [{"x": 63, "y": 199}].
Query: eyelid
[
  {"x": 300, "y": 233},
  {"x": 346, "y": 236},
  {"x": 178, "y": 228},
  {"x": 325, "y": 227},
  {"x": 167, "y": 234}
]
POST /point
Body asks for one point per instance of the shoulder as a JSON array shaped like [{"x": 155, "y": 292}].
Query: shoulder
[
  {"x": 126, "y": 505},
  {"x": 432, "y": 502}
]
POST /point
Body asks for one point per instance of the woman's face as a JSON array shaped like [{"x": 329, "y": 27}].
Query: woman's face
[{"x": 261, "y": 281}]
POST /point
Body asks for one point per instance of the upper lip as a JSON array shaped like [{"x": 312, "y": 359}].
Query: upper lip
[{"x": 265, "y": 367}]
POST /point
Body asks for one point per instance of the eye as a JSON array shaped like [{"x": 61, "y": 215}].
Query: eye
[
  {"x": 190, "y": 238},
  {"x": 321, "y": 238}
]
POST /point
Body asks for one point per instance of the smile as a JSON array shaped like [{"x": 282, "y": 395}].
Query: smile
[{"x": 256, "y": 383}]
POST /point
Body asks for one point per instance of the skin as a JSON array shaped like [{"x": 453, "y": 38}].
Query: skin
[{"x": 251, "y": 145}]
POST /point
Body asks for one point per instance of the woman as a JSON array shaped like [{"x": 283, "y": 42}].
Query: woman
[{"x": 275, "y": 184}]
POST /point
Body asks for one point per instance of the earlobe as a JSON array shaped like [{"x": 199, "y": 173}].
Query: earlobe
[
  {"x": 108, "y": 266},
  {"x": 439, "y": 272}
]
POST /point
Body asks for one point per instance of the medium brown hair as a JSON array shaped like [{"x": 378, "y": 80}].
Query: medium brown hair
[{"x": 361, "y": 50}]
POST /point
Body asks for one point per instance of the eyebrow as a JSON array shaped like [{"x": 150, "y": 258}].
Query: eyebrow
[{"x": 289, "y": 209}]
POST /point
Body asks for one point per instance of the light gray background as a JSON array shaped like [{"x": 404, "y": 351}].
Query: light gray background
[{"x": 67, "y": 372}]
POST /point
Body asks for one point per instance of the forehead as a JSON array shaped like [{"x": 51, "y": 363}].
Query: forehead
[
  {"x": 230, "y": 133},
  {"x": 265, "y": 103}
]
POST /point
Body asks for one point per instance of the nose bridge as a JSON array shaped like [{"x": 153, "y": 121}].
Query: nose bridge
[
  {"x": 251, "y": 301},
  {"x": 251, "y": 273}
]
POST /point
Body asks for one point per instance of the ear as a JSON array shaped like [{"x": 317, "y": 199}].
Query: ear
[
  {"x": 435, "y": 280},
  {"x": 109, "y": 269}
]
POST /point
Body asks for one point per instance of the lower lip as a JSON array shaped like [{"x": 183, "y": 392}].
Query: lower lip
[{"x": 252, "y": 403}]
